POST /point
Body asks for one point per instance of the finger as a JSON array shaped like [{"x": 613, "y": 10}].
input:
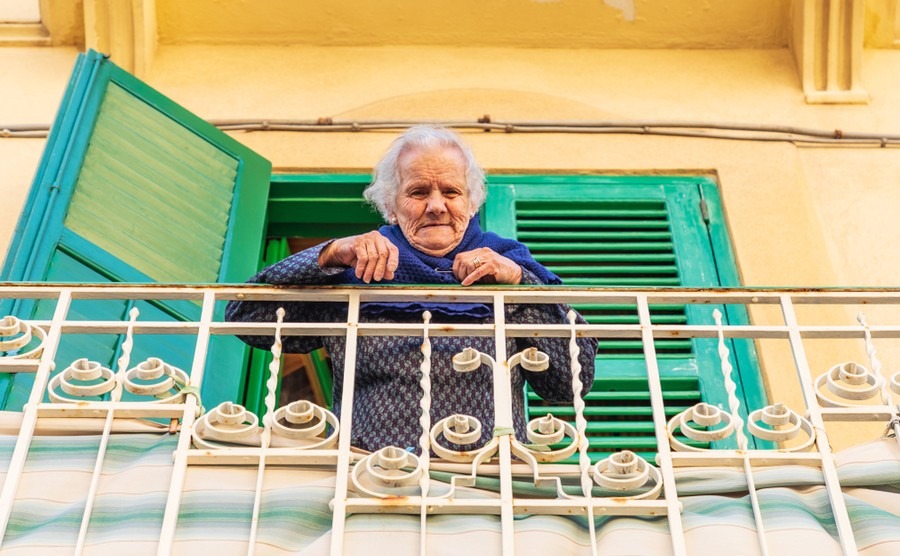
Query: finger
[
  {"x": 371, "y": 261},
  {"x": 462, "y": 266},
  {"x": 393, "y": 261},
  {"x": 381, "y": 260},
  {"x": 458, "y": 262},
  {"x": 478, "y": 274},
  {"x": 464, "y": 263},
  {"x": 362, "y": 257}
]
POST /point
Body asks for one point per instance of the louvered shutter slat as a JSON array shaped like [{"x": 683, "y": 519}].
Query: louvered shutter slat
[{"x": 614, "y": 244}]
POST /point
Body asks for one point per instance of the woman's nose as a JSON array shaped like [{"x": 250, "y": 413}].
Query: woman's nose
[{"x": 436, "y": 203}]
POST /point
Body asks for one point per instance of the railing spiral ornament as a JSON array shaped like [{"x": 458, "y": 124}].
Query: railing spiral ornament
[
  {"x": 849, "y": 381},
  {"x": 704, "y": 415},
  {"x": 16, "y": 334},
  {"x": 466, "y": 361},
  {"x": 154, "y": 377},
  {"x": 783, "y": 424},
  {"x": 387, "y": 472},
  {"x": 457, "y": 430},
  {"x": 895, "y": 383},
  {"x": 301, "y": 424},
  {"x": 305, "y": 425},
  {"x": 82, "y": 379},
  {"x": 625, "y": 471},
  {"x": 227, "y": 423},
  {"x": 547, "y": 430},
  {"x": 534, "y": 360}
]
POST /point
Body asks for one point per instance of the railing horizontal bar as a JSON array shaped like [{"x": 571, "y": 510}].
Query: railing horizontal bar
[
  {"x": 861, "y": 413},
  {"x": 456, "y": 294},
  {"x": 831, "y": 332},
  {"x": 119, "y": 327},
  {"x": 601, "y": 506},
  {"x": 19, "y": 366},
  {"x": 233, "y": 291},
  {"x": 413, "y": 505},
  {"x": 735, "y": 458},
  {"x": 250, "y": 457},
  {"x": 516, "y": 330},
  {"x": 100, "y": 409}
]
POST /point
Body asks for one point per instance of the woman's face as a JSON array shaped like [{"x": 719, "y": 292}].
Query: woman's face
[{"x": 433, "y": 199}]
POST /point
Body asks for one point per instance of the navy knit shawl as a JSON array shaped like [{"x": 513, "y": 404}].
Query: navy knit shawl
[{"x": 418, "y": 268}]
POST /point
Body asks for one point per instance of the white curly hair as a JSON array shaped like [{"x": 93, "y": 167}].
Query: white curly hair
[{"x": 382, "y": 192}]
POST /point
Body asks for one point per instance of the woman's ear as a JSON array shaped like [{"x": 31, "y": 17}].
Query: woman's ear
[{"x": 392, "y": 219}]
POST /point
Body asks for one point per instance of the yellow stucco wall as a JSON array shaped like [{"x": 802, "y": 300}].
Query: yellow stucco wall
[
  {"x": 530, "y": 23},
  {"x": 798, "y": 216}
]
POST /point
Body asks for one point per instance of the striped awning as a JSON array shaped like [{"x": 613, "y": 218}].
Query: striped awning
[{"x": 295, "y": 518}]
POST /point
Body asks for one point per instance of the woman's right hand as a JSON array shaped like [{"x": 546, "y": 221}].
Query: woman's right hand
[{"x": 371, "y": 254}]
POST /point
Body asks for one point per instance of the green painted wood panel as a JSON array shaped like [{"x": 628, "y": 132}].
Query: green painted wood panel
[
  {"x": 152, "y": 193},
  {"x": 133, "y": 187},
  {"x": 624, "y": 231}
]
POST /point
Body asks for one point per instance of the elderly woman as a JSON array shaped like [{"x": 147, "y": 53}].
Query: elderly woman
[{"x": 429, "y": 188}]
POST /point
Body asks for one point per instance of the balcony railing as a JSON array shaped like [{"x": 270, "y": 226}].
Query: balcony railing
[{"x": 393, "y": 480}]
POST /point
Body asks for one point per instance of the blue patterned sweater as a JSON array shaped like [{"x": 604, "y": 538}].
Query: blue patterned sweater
[{"x": 386, "y": 402}]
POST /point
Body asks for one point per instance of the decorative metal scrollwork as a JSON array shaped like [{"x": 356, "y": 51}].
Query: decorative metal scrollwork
[
  {"x": 16, "y": 335},
  {"x": 227, "y": 422},
  {"x": 300, "y": 424},
  {"x": 82, "y": 379},
  {"x": 457, "y": 430},
  {"x": 154, "y": 377},
  {"x": 625, "y": 471},
  {"x": 388, "y": 470},
  {"x": 718, "y": 425},
  {"x": 776, "y": 423},
  {"x": 306, "y": 425},
  {"x": 791, "y": 423},
  {"x": 848, "y": 381},
  {"x": 547, "y": 430}
]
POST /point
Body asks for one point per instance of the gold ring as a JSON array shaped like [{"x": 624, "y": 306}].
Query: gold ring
[{"x": 477, "y": 262}]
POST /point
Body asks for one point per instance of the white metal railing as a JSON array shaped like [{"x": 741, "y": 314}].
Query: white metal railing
[{"x": 303, "y": 434}]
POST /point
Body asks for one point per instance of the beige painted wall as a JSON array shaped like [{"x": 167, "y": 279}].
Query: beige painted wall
[{"x": 799, "y": 216}]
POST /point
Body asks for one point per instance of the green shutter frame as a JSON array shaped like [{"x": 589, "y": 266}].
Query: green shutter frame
[
  {"x": 632, "y": 231},
  {"x": 134, "y": 188}
]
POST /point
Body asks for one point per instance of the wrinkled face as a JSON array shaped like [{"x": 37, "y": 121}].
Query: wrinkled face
[{"x": 433, "y": 200}]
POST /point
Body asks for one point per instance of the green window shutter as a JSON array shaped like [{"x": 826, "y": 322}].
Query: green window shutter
[
  {"x": 134, "y": 188},
  {"x": 630, "y": 231}
]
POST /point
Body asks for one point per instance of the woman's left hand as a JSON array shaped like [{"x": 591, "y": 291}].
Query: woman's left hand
[{"x": 485, "y": 266}]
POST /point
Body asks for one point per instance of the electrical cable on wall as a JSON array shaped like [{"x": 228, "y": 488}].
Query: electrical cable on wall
[{"x": 702, "y": 130}]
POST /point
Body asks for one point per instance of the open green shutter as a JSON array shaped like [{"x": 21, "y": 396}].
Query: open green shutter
[
  {"x": 134, "y": 188},
  {"x": 622, "y": 232}
]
